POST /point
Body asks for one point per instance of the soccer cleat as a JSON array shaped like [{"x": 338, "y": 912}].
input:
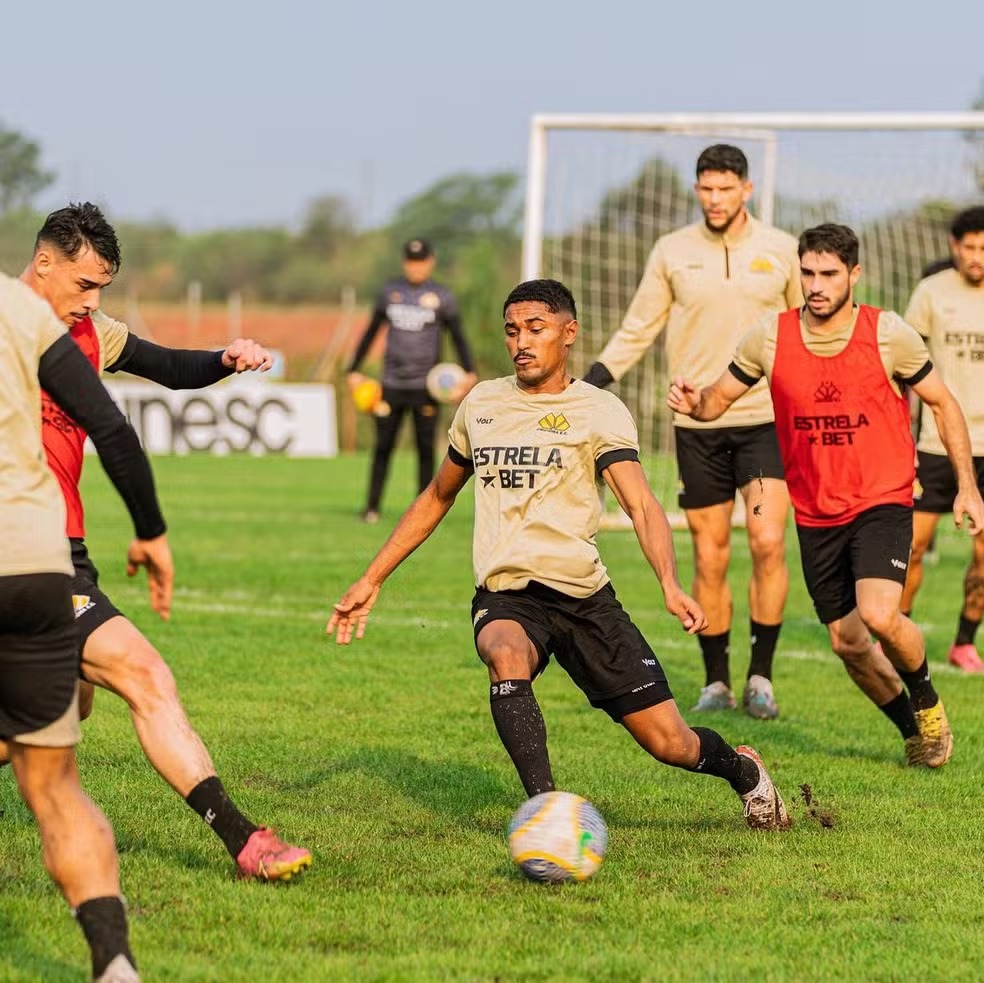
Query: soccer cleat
[
  {"x": 935, "y": 736},
  {"x": 764, "y": 808},
  {"x": 370, "y": 517},
  {"x": 716, "y": 696},
  {"x": 758, "y": 699},
  {"x": 965, "y": 657},
  {"x": 120, "y": 970},
  {"x": 268, "y": 858},
  {"x": 914, "y": 751}
]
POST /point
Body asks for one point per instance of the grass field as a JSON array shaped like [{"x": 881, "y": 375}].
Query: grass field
[{"x": 383, "y": 759}]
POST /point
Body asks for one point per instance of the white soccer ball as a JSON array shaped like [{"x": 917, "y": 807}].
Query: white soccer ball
[
  {"x": 558, "y": 836},
  {"x": 443, "y": 381}
]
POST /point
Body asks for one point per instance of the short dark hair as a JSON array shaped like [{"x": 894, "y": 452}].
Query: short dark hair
[
  {"x": 81, "y": 224},
  {"x": 969, "y": 220},
  {"x": 831, "y": 238},
  {"x": 557, "y": 298},
  {"x": 723, "y": 157}
]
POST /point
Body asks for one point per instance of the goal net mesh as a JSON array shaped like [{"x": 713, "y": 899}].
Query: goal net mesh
[{"x": 610, "y": 194}]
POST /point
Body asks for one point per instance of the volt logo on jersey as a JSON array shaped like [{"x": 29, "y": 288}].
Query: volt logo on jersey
[{"x": 82, "y": 603}]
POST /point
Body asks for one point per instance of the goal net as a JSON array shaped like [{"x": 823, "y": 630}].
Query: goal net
[{"x": 602, "y": 189}]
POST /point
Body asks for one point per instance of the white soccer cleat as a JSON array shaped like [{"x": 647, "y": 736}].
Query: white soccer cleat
[
  {"x": 764, "y": 808},
  {"x": 120, "y": 970},
  {"x": 715, "y": 696}
]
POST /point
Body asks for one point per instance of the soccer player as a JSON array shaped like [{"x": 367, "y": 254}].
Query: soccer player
[
  {"x": 947, "y": 309},
  {"x": 76, "y": 256},
  {"x": 418, "y": 311},
  {"x": 834, "y": 370},
  {"x": 39, "y": 715},
  {"x": 535, "y": 442},
  {"x": 705, "y": 284}
]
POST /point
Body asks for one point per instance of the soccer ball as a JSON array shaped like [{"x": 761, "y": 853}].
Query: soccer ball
[
  {"x": 366, "y": 395},
  {"x": 443, "y": 381},
  {"x": 557, "y": 836}
]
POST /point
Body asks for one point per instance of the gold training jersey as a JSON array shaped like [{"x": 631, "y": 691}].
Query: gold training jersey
[
  {"x": 32, "y": 514},
  {"x": 706, "y": 289},
  {"x": 949, "y": 313},
  {"x": 535, "y": 458}
]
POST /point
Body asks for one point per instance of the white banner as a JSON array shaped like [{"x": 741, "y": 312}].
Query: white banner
[{"x": 234, "y": 417}]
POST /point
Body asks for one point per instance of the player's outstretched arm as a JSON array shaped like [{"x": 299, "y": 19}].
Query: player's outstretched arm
[
  {"x": 952, "y": 429},
  {"x": 628, "y": 482},
  {"x": 417, "y": 523},
  {"x": 707, "y": 403},
  {"x": 180, "y": 368}
]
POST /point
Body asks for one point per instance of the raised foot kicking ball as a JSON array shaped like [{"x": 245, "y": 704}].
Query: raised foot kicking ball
[
  {"x": 443, "y": 381},
  {"x": 366, "y": 395},
  {"x": 556, "y": 837}
]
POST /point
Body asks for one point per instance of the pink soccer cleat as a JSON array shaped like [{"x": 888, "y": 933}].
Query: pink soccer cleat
[
  {"x": 965, "y": 657},
  {"x": 268, "y": 858}
]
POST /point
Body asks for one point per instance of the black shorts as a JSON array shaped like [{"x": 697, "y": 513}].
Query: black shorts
[
  {"x": 714, "y": 464},
  {"x": 875, "y": 543},
  {"x": 592, "y": 638},
  {"x": 92, "y": 607},
  {"x": 936, "y": 486},
  {"x": 39, "y": 651}
]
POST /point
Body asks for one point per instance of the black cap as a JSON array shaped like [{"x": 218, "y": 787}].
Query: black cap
[{"x": 417, "y": 249}]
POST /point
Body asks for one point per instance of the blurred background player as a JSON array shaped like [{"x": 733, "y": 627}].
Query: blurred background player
[
  {"x": 76, "y": 256},
  {"x": 947, "y": 309},
  {"x": 417, "y": 311},
  {"x": 39, "y": 644},
  {"x": 834, "y": 371},
  {"x": 541, "y": 587},
  {"x": 706, "y": 283}
]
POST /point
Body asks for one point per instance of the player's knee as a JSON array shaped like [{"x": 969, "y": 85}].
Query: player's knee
[
  {"x": 42, "y": 778},
  {"x": 852, "y": 651},
  {"x": 767, "y": 543},
  {"x": 505, "y": 659},
  {"x": 879, "y": 618},
  {"x": 711, "y": 558}
]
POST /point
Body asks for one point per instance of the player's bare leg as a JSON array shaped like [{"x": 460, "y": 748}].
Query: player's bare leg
[
  {"x": 923, "y": 526},
  {"x": 710, "y": 533},
  {"x": 511, "y": 659},
  {"x": 963, "y": 653},
  {"x": 78, "y": 848},
  {"x": 117, "y": 657},
  {"x": 766, "y": 512},
  {"x": 663, "y": 732}
]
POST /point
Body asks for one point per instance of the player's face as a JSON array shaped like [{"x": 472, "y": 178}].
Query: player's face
[
  {"x": 968, "y": 254},
  {"x": 538, "y": 340},
  {"x": 828, "y": 284},
  {"x": 71, "y": 286},
  {"x": 722, "y": 196},
  {"x": 418, "y": 271}
]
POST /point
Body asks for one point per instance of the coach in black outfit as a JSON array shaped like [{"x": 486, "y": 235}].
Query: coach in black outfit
[{"x": 417, "y": 311}]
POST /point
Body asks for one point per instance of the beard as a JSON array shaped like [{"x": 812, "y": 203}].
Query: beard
[{"x": 832, "y": 307}]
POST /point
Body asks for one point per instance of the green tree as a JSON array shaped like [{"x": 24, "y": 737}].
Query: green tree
[{"x": 21, "y": 174}]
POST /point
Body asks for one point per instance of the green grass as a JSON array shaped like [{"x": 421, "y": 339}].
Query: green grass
[{"x": 383, "y": 759}]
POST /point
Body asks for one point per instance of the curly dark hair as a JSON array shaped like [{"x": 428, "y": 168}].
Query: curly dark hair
[
  {"x": 831, "y": 238},
  {"x": 77, "y": 225}
]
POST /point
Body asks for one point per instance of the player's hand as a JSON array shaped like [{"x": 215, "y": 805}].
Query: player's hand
[
  {"x": 464, "y": 387},
  {"x": 352, "y": 611},
  {"x": 155, "y": 555},
  {"x": 245, "y": 355},
  {"x": 683, "y": 396},
  {"x": 968, "y": 503},
  {"x": 686, "y": 609}
]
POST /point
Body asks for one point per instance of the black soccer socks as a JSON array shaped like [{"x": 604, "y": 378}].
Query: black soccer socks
[
  {"x": 763, "y": 639},
  {"x": 715, "y": 650},
  {"x": 523, "y": 733},
  {"x": 921, "y": 690},
  {"x": 717, "y": 757},
  {"x": 900, "y": 712},
  {"x": 209, "y": 799},
  {"x": 103, "y": 922}
]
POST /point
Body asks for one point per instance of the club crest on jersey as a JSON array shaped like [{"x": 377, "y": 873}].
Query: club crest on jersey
[
  {"x": 82, "y": 603},
  {"x": 554, "y": 423},
  {"x": 429, "y": 300},
  {"x": 761, "y": 265},
  {"x": 827, "y": 392}
]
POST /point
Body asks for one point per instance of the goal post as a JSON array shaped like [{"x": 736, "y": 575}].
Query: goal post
[{"x": 601, "y": 189}]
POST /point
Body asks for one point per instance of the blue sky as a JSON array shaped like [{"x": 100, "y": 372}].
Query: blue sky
[{"x": 218, "y": 113}]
